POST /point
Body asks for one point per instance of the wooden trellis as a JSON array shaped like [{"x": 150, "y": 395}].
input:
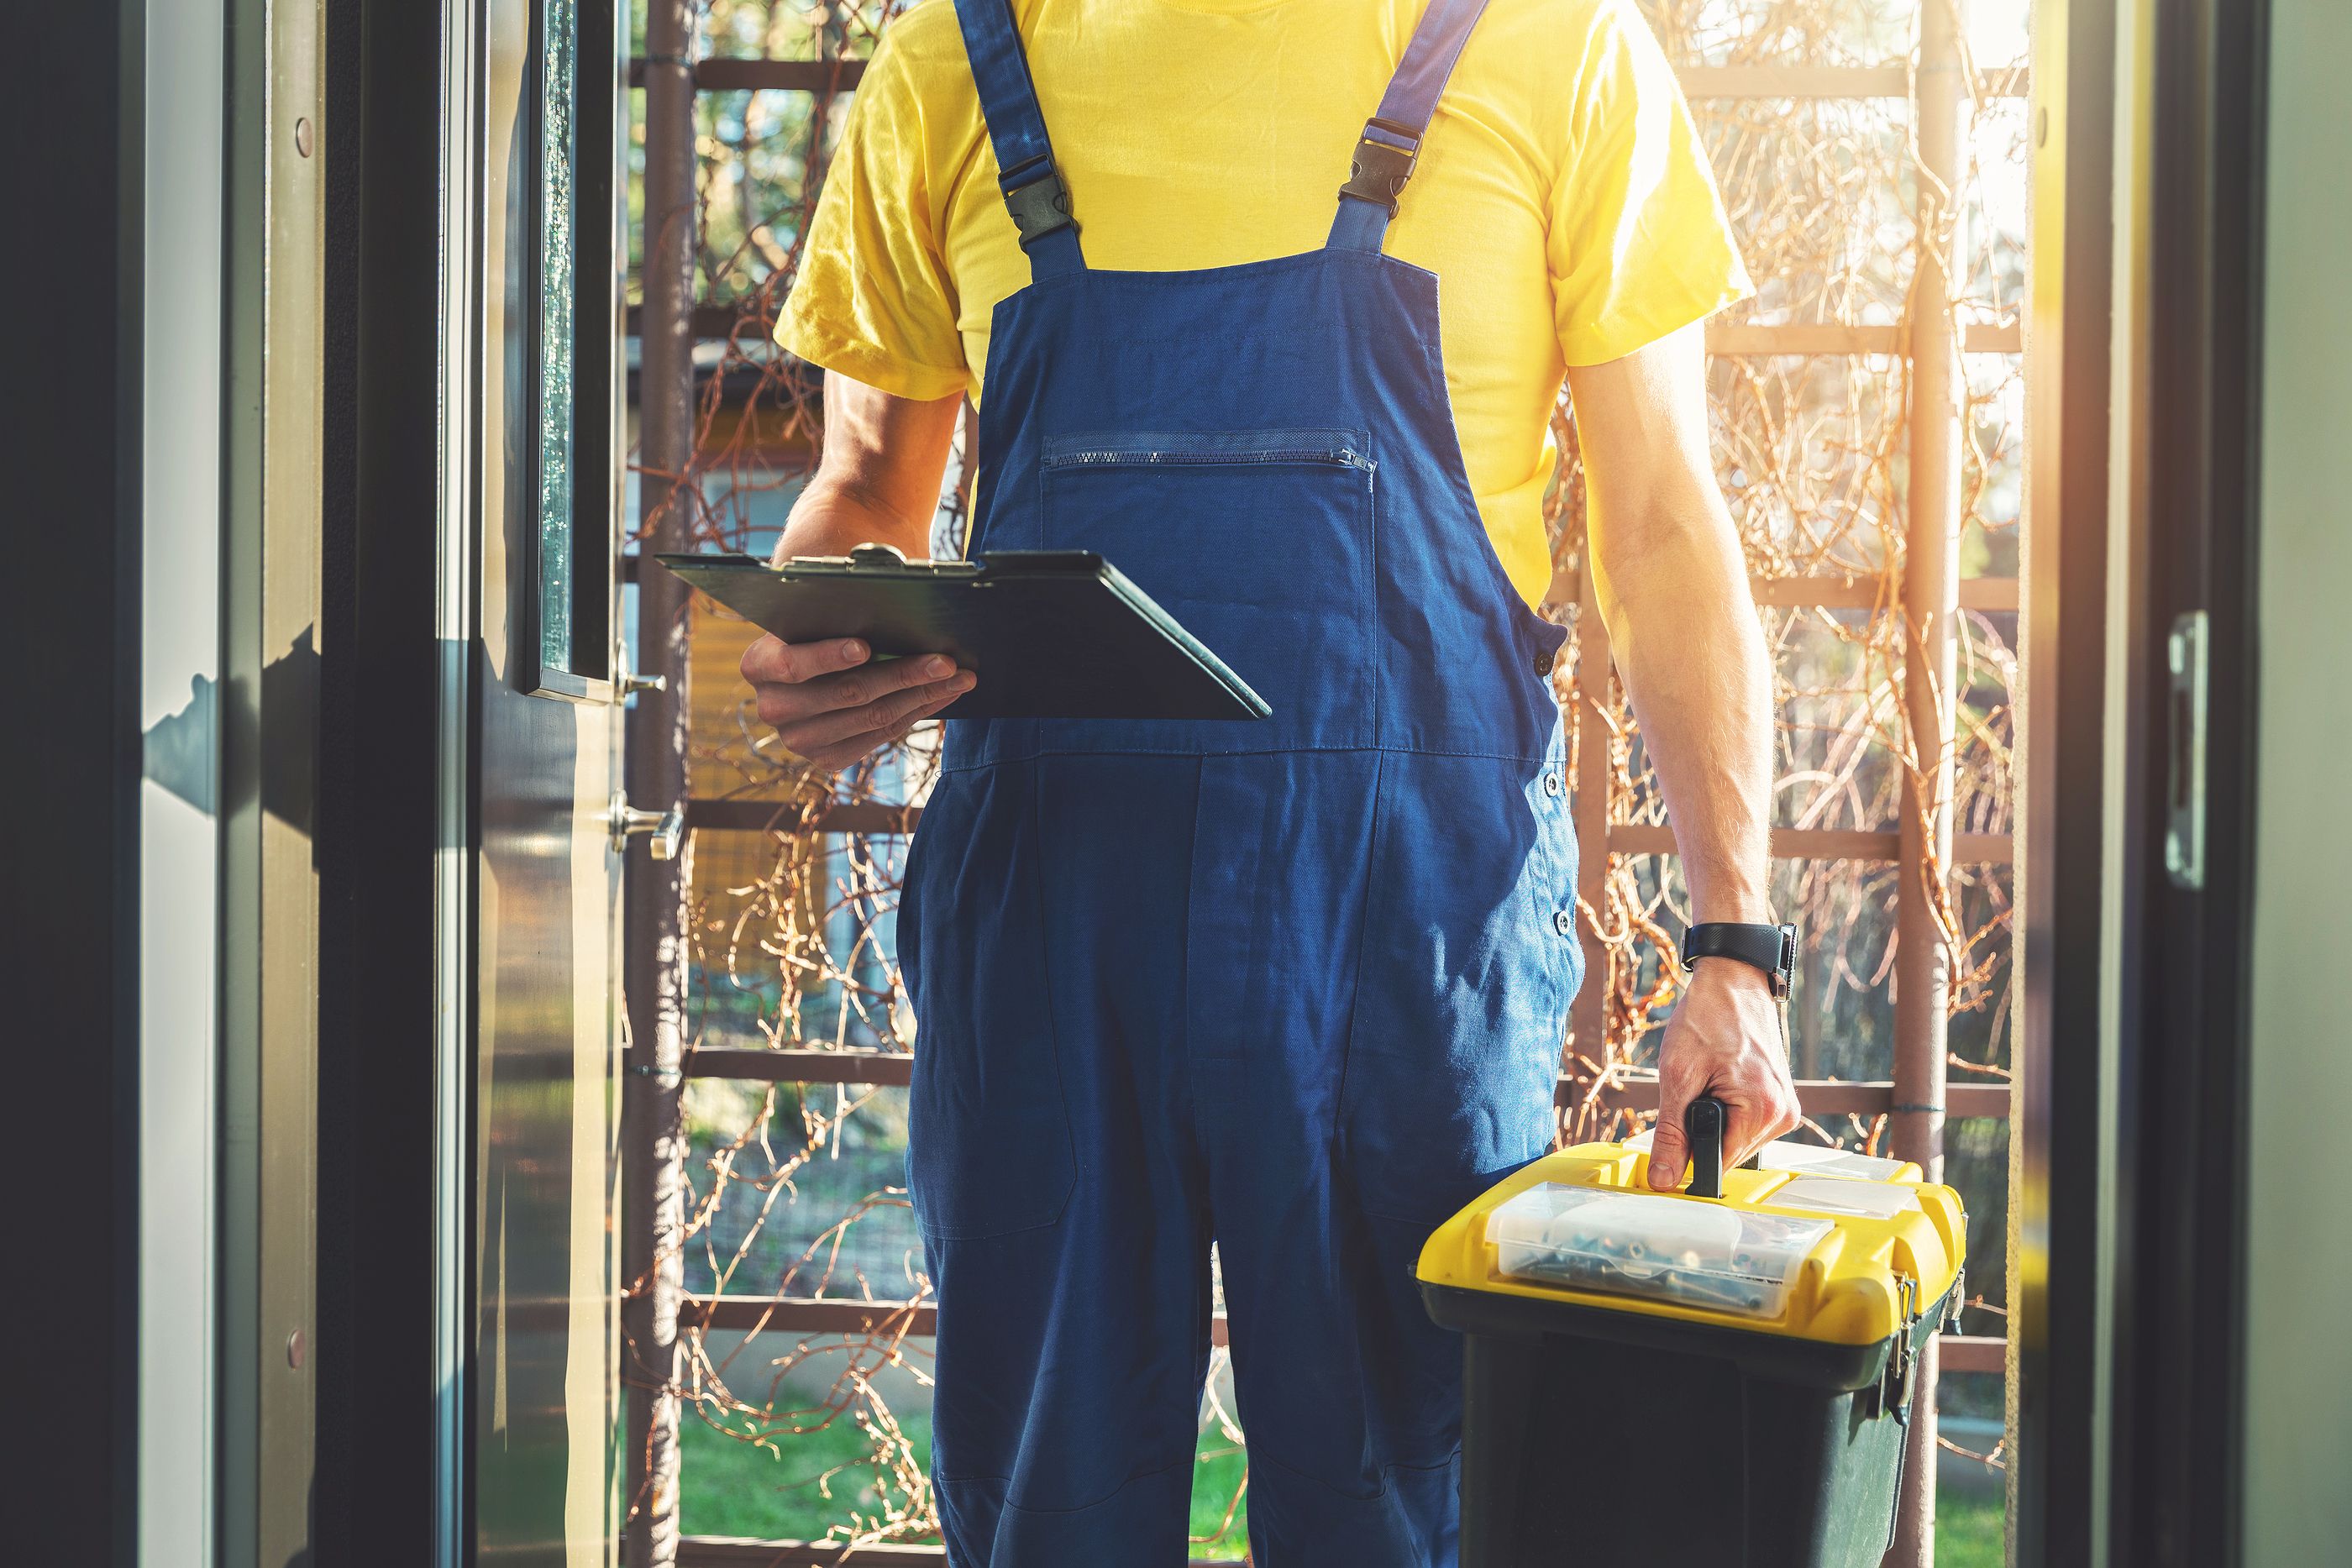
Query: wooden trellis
[{"x": 1916, "y": 589}]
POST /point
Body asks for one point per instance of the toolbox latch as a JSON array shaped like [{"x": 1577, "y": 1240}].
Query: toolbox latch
[{"x": 1894, "y": 1388}]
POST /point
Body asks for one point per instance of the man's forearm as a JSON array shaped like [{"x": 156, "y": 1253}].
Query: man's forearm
[
  {"x": 833, "y": 517},
  {"x": 878, "y": 479},
  {"x": 1685, "y": 635},
  {"x": 1673, "y": 587}
]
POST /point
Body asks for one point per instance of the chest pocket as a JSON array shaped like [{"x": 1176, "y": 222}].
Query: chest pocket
[{"x": 1260, "y": 543}]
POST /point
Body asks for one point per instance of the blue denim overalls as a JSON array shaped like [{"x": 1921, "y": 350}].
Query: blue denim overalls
[{"x": 1293, "y": 988}]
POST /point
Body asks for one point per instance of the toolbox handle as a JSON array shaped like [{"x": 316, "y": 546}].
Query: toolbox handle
[{"x": 1704, "y": 1120}]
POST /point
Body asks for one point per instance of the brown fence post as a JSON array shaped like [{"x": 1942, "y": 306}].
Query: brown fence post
[
  {"x": 653, "y": 963},
  {"x": 1930, "y": 603}
]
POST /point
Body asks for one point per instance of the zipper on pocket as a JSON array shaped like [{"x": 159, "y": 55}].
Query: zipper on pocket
[{"x": 1333, "y": 448}]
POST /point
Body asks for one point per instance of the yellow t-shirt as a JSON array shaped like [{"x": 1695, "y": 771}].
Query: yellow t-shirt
[{"x": 1561, "y": 198}]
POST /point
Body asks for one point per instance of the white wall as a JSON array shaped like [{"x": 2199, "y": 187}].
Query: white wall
[
  {"x": 178, "y": 826},
  {"x": 2298, "y": 1433}
]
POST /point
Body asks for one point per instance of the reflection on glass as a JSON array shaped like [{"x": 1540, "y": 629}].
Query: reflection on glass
[{"x": 558, "y": 50}]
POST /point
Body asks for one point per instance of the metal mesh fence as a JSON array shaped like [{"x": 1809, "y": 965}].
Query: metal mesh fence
[{"x": 797, "y": 1187}]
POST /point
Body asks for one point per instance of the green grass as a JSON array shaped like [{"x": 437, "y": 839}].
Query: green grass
[
  {"x": 1216, "y": 1474},
  {"x": 733, "y": 1488},
  {"x": 1968, "y": 1531},
  {"x": 729, "y": 1486}
]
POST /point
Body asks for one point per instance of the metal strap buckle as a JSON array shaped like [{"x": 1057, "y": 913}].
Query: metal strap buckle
[{"x": 1379, "y": 171}]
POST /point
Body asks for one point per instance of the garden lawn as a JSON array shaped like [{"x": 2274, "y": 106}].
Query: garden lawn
[
  {"x": 731, "y": 1487},
  {"x": 1968, "y": 1530}
]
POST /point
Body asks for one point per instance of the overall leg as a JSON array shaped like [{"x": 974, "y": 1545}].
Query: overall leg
[
  {"x": 1362, "y": 1129},
  {"x": 1052, "y": 1161}
]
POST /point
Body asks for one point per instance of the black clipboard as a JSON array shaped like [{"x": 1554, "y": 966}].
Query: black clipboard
[{"x": 1050, "y": 634}]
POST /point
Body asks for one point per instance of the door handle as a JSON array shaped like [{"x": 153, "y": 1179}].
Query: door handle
[
  {"x": 2184, "y": 752},
  {"x": 665, "y": 831}
]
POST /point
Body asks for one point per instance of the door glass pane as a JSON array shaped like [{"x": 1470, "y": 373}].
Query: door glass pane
[{"x": 558, "y": 571}]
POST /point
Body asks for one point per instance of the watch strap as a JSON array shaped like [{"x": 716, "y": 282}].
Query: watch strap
[{"x": 1771, "y": 948}]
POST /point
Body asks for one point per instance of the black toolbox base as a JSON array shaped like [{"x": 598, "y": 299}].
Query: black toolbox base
[{"x": 1697, "y": 1448}]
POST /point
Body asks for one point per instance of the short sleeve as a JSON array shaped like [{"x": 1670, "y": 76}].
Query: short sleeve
[
  {"x": 873, "y": 299},
  {"x": 1639, "y": 243}
]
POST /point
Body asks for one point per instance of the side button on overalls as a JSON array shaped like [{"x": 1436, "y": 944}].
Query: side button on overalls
[{"x": 1292, "y": 989}]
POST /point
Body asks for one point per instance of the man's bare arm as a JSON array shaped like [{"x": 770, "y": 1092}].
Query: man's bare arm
[
  {"x": 1673, "y": 588},
  {"x": 877, "y": 482},
  {"x": 877, "y": 479}
]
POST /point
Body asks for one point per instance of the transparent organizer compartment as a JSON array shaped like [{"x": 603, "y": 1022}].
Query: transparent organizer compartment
[
  {"x": 1834, "y": 1195},
  {"x": 1811, "y": 1159},
  {"x": 1687, "y": 1253}
]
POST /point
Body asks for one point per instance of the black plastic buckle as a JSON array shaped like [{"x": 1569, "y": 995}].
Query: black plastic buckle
[
  {"x": 1379, "y": 171},
  {"x": 1040, "y": 204}
]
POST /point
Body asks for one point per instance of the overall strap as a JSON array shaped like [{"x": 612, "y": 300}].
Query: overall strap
[
  {"x": 1392, "y": 140},
  {"x": 1033, "y": 192}
]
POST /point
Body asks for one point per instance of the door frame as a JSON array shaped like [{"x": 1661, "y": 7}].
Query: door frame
[
  {"x": 2128, "y": 1167},
  {"x": 399, "y": 780},
  {"x": 73, "y": 793},
  {"x": 457, "y": 615},
  {"x": 2060, "y": 1138},
  {"x": 385, "y": 1380},
  {"x": 2183, "y": 539}
]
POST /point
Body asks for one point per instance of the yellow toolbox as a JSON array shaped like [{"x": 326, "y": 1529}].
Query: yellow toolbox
[{"x": 1671, "y": 1378}]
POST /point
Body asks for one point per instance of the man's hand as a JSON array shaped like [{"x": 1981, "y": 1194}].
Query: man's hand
[
  {"x": 832, "y": 704},
  {"x": 876, "y": 481},
  {"x": 1723, "y": 1039}
]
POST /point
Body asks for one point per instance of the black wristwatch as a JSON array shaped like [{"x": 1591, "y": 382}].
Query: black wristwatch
[{"x": 1771, "y": 948}]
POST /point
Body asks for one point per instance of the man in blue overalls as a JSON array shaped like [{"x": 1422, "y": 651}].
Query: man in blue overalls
[{"x": 1292, "y": 989}]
